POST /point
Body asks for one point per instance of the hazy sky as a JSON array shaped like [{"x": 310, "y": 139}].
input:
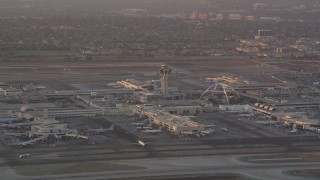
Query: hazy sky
[{"x": 58, "y": 7}]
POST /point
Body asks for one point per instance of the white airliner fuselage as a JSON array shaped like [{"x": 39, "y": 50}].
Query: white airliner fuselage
[{"x": 141, "y": 143}]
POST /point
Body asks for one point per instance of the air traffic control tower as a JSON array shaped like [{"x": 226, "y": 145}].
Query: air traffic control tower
[{"x": 164, "y": 73}]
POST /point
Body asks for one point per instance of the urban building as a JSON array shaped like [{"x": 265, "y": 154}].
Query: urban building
[
  {"x": 9, "y": 91},
  {"x": 235, "y": 16},
  {"x": 265, "y": 33}
]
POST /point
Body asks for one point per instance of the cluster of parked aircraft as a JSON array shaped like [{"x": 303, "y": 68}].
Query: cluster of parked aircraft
[
  {"x": 45, "y": 130},
  {"x": 60, "y": 133},
  {"x": 268, "y": 122}
]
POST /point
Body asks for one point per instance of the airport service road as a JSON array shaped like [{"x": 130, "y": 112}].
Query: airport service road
[{"x": 183, "y": 166}]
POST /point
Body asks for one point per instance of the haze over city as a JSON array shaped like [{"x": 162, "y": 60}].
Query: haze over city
[{"x": 159, "y": 89}]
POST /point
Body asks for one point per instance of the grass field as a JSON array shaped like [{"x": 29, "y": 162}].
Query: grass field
[
  {"x": 305, "y": 173},
  {"x": 48, "y": 169},
  {"x": 43, "y": 53}
]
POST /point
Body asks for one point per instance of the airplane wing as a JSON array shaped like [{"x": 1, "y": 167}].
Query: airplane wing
[
  {"x": 101, "y": 130},
  {"x": 76, "y": 136},
  {"x": 30, "y": 142}
]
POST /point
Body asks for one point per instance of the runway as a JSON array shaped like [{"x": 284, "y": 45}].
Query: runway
[
  {"x": 153, "y": 164},
  {"x": 132, "y": 151},
  {"x": 195, "y": 166},
  {"x": 264, "y": 140}
]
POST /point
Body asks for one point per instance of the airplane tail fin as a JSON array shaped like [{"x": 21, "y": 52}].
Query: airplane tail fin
[{"x": 111, "y": 127}]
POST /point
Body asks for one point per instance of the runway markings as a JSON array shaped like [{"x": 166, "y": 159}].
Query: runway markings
[{"x": 274, "y": 159}]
